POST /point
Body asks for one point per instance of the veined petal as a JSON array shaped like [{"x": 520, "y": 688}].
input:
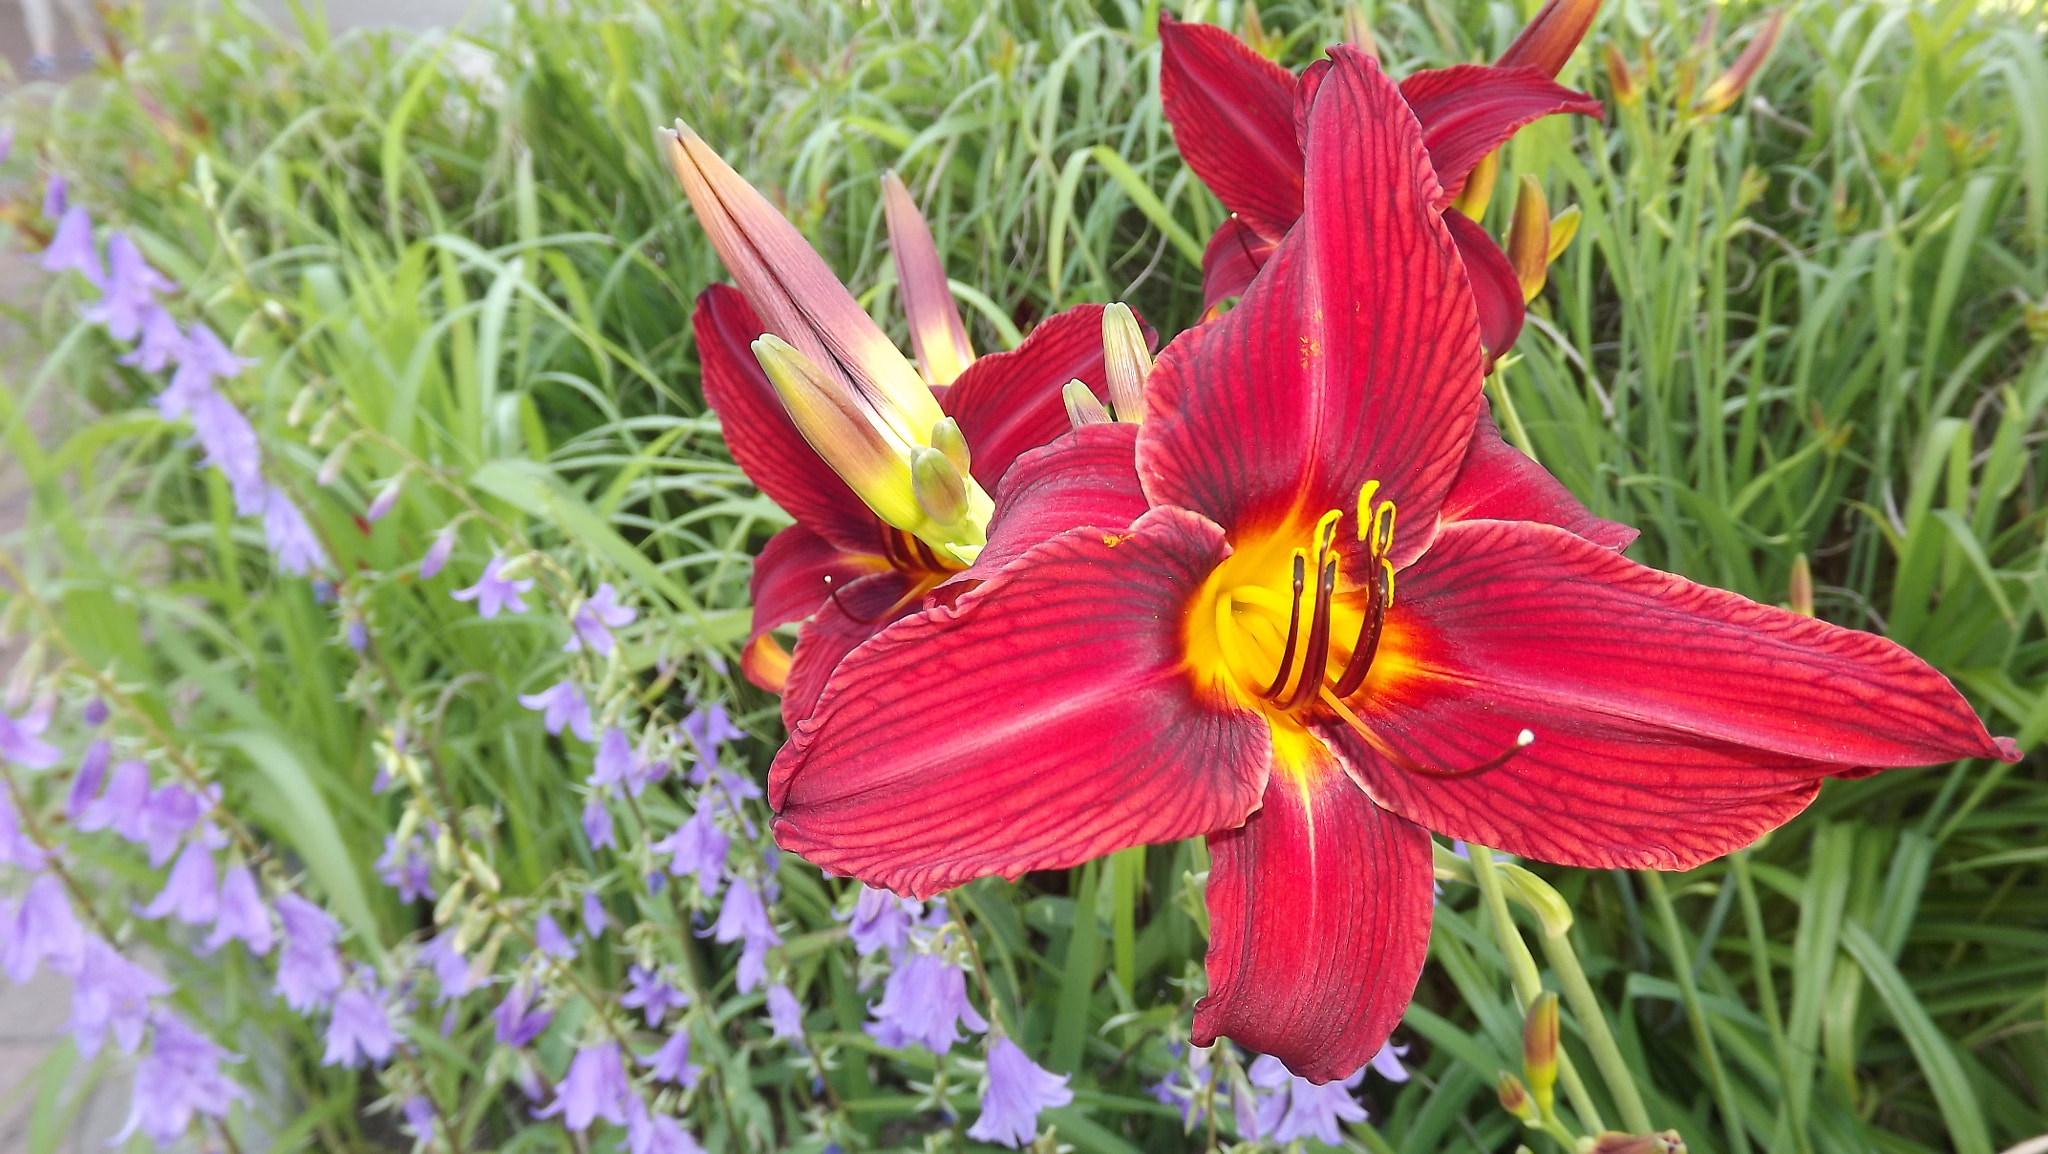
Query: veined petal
[
  {"x": 1319, "y": 912},
  {"x": 1468, "y": 110},
  {"x": 1044, "y": 720},
  {"x": 937, "y": 334},
  {"x": 1548, "y": 41},
  {"x": 1355, "y": 359},
  {"x": 794, "y": 291},
  {"x": 1232, "y": 112},
  {"x": 1234, "y": 256},
  {"x": 758, "y": 430},
  {"x": 1087, "y": 478},
  {"x": 1672, "y": 722},
  {"x": 795, "y": 574},
  {"x": 1499, "y": 483},
  {"x": 852, "y": 614},
  {"x": 1009, "y": 403},
  {"x": 1496, "y": 292}
]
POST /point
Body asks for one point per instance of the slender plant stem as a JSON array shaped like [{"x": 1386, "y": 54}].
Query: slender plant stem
[
  {"x": 1702, "y": 1030},
  {"x": 1614, "y": 1069}
]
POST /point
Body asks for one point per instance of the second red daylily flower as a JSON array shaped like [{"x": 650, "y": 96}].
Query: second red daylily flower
[
  {"x": 1234, "y": 112},
  {"x": 1308, "y": 610}
]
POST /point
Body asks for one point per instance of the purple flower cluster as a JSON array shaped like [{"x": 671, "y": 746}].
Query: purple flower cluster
[
  {"x": 129, "y": 311},
  {"x": 592, "y": 623}
]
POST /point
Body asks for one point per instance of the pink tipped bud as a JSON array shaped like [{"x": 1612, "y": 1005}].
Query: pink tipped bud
[
  {"x": 385, "y": 501},
  {"x": 1801, "y": 592},
  {"x": 1614, "y": 1142},
  {"x": 937, "y": 334},
  {"x": 1721, "y": 94},
  {"x": 1547, "y": 43},
  {"x": 437, "y": 554},
  {"x": 795, "y": 294},
  {"x": 1514, "y": 1098},
  {"x": 1620, "y": 77}
]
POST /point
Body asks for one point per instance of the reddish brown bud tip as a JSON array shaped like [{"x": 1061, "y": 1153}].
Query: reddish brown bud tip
[{"x": 1551, "y": 37}]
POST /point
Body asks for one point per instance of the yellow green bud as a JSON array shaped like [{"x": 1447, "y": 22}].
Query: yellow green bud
[
  {"x": 1082, "y": 407},
  {"x": 1539, "y": 1049},
  {"x": 940, "y": 490},
  {"x": 1126, "y": 361}
]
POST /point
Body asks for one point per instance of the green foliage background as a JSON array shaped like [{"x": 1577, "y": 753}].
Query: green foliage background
[{"x": 1813, "y": 325}]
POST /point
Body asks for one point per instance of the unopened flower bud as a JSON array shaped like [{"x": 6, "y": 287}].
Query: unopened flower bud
[
  {"x": 1478, "y": 190},
  {"x": 1615, "y": 1142},
  {"x": 1539, "y": 1049},
  {"x": 1721, "y": 94},
  {"x": 937, "y": 334},
  {"x": 1620, "y": 78},
  {"x": 947, "y": 439},
  {"x": 1801, "y": 592},
  {"x": 1563, "y": 227},
  {"x": 940, "y": 489},
  {"x": 1358, "y": 32},
  {"x": 437, "y": 554},
  {"x": 1126, "y": 361},
  {"x": 1529, "y": 238},
  {"x": 485, "y": 876},
  {"x": 1082, "y": 407},
  {"x": 1514, "y": 1098},
  {"x": 330, "y": 469},
  {"x": 1548, "y": 40},
  {"x": 840, "y": 432},
  {"x": 386, "y": 500}
]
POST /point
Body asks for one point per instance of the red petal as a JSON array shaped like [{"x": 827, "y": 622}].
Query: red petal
[
  {"x": 795, "y": 573},
  {"x": 1468, "y": 110},
  {"x": 1673, "y": 722},
  {"x": 860, "y": 610},
  {"x": 1549, "y": 39},
  {"x": 1087, "y": 478},
  {"x": 1045, "y": 720},
  {"x": 758, "y": 431},
  {"x": 1009, "y": 403},
  {"x": 1319, "y": 912},
  {"x": 1496, "y": 290},
  {"x": 1499, "y": 483},
  {"x": 1234, "y": 256},
  {"x": 1232, "y": 112},
  {"x": 1357, "y": 358}
]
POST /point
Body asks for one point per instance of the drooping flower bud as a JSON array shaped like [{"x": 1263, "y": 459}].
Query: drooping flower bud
[
  {"x": 1539, "y": 1050},
  {"x": 1126, "y": 361},
  {"x": 1478, "y": 190},
  {"x": 1619, "y": 76},
  {"x": 1551, "y": 36},
  {"x": 938, "y": 336},
  {"x": 1529, "y": 238},
  {"x": 1721, "y": 94},
  {"x": 841, "y": 433},
  {"x": 939, "y": 488},
  {"x": 1082, "y": 407}
]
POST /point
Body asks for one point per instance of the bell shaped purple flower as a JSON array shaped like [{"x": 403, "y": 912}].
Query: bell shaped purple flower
[
  {"x": 21, "y": 740},
  {"x": 613, "y": 764},
  {"x": 1387, "y": 1063},
  {"x": 359, "y": 1031},
  {"x": 1017, "y": 1090},
  {"x": 55, "y": 196},
  {"x": 437, "y": 555},
  {"x": 206, "y": 359},
  {"x": 130, "y": 289},
  {"x": 881, "y": 920},
  {"x": 110, "y": 993},
  {"x": 594, "y": 917},
  {"x": 162, "y": 345},
  {"x": 85, "y": 784},
  {"x": 292, "y": 541},
  {"x": 231, "y": 446},
  {"x": 595, "y": 1087},
  {"x": 169, "y": 814},
  {"x": 16, "y": 847},
  {"x": 192, "y": 892},
  {"x": 494, "y": 594},
  {"x": 707, "y": 727},
  {"x": 698, "y": 847},
  {"x": 597, "y": 826},
  {"x": 785, "y": 1014},
  {"x": 651, "y": 994},
  {"x": 656, "y": 1133},
  {"x": 744, "y": 918},
  {"x": 455, "y": 974},
  {"x": 177, "y": 1080},
  {"x": 594, "y": 620},
  {"x": 40, "y": 928},
  {"x": 1298, "y": 1108},
  {"x": 309, "y": 967},
  {"x": 73, "y": 247},
  {"x": 550, "y": 940},
  {"x": 124, "y": 808},
  {"x": 519, "y": 1021},
  {"x": 561, "y": 706},
  {"x": 243, "y": 916},
  {"x": 671, "y": 1063},
  {"x": 923, "y": 1001},
  {"x": 407, "y": 868}
]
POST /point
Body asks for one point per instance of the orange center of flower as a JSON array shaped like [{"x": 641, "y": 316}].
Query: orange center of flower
[{"x": 1281, "y": 625}]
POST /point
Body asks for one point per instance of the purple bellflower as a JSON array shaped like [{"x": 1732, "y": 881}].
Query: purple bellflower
[
  {"x": 40, "y": 928},
  {"x": 437, "y": 554},
  {"x": 924, "y": 1001},
  {"x": 16, "y": 848},
  {"x": 178, "y": 1079},
  {"x": 85, "y": 784},
  {"x": 785, "y": 1014},
  {"x": 124, "y": 808},
  {"x": 494, "y": 594},
  {"x": 456, "y": 975},
  {"x": 671, "y": 1063},
  {"x": 243, "y": 916},
  {"x": 699, "y": 847},
  {"x": 1017, "y": 1090},
  {"x": 111, "y": 993},
  {"x": 162, "y": 344},
  {"x": 21, "y": 740},
  {"x": 595, "y": 619},
  {"x": 519, "y": 1021},
  {"x": 1298, "y": 1108},
  {"x": 407, "y": 868},
  {"x": 309, "y": 966},
  {"x": 881, "y": 920},
  {"x": 561, "y": 706},
  {"x": 72, "y": 247},
  {"x": 231, "y": 446},
  {"x": 169, "y": 814},
  {"x": 292, "y": 541},
  {"x": 130, "y": 290},
  {"x": 708, "y": 727},
  {"x": 360, "y": 1029},
  {"x": 657, "y": 1133},
  {"x": 549, "y": 938},
  {"x": 744, "y": 918},
  {"x": 651, "y": 995},
  {"x": 55, "y": 193},
  {"x": 597, "y": 826},
  {"x": 192, "y": 892},
  {"x": 595, "y": 1087}
]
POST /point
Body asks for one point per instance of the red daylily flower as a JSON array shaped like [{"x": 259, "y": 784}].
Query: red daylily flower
[
  {"x": 842, "y": 569},
  {"x": 1214, "y": 623},
  {"x": 1234, "y": 116}
]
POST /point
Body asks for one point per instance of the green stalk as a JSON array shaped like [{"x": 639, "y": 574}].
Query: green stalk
[
  {"x": 1702, "y": 1032},
  {"x": 1621, "y": 1082},
  {"x": 1528, "y": 981}
]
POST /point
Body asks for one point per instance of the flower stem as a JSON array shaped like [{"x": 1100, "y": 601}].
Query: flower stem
[
  {"x": 1702, "y": 1030},
  {"x": 1614, "y": 1069},
  {"x": 1528, "y": 981}
]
